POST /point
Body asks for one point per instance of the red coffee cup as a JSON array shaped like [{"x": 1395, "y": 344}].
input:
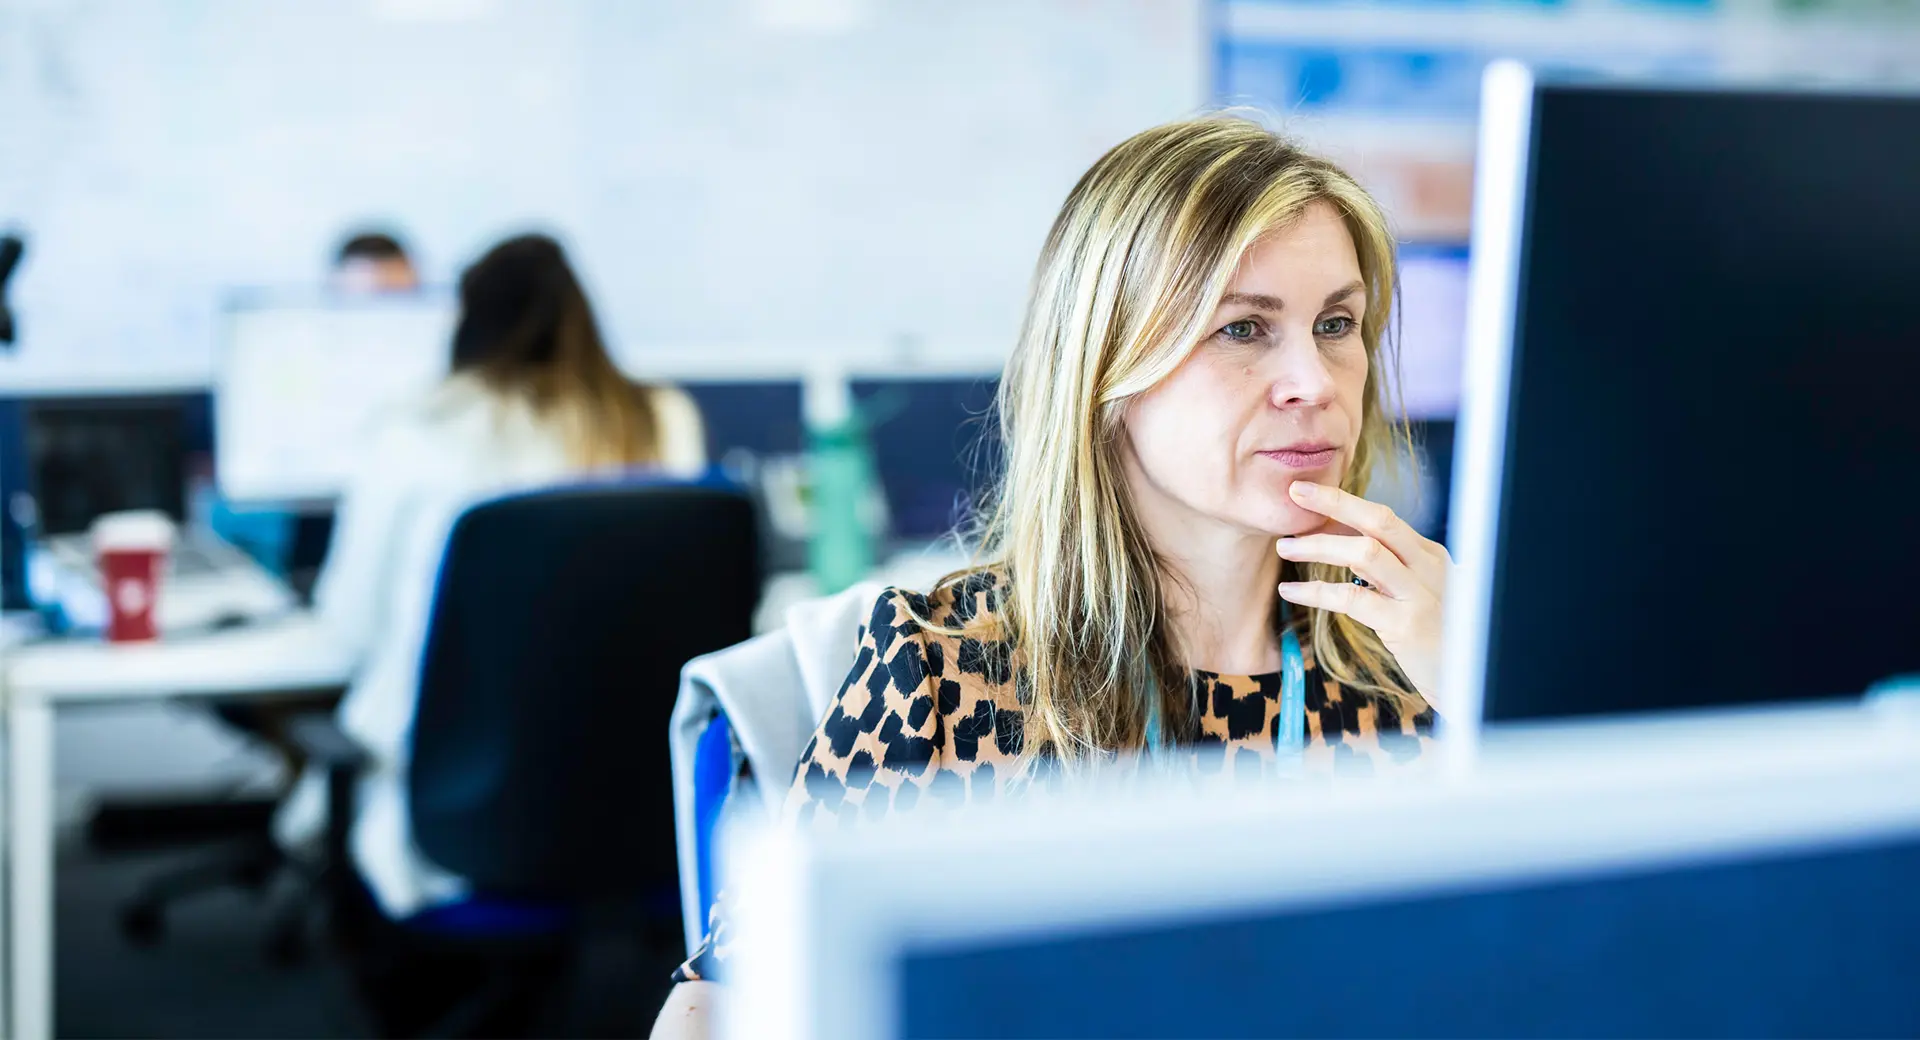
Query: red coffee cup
[{"x": 132, "y": 548}]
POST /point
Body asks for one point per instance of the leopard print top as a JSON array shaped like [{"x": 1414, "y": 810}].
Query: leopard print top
[{"x": 924, "y": 715}]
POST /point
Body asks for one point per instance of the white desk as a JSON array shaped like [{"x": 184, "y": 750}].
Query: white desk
[{"x": 286, "y": 656}]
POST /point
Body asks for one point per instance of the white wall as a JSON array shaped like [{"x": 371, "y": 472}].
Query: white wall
[{"x": 726, "y": 171}]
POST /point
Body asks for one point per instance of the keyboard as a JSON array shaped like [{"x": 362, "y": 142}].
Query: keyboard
[
  {"x": 207, "y": 583},
  {"x": 193, "y": 560}
]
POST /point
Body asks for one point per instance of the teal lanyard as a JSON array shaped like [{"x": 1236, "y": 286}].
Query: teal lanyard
[{"x": 1289, "y": 738}]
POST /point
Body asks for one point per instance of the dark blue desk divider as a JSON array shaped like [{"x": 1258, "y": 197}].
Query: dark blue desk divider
[
  {"x": 934, "y": 438},
  {"x": 13, "y": 479},
  {"x": 936, "y": 445},
  {"x": 1823, "y": 943},
  {"x": 762, "y": 417}
]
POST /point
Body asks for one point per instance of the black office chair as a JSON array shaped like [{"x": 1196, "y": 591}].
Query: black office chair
[{"x": 539, "y": 761}]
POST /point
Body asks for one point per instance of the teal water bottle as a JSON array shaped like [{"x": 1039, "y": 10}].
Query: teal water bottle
[{"x": 840, "y": 482}]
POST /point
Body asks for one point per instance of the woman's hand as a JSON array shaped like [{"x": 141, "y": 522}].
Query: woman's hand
[
  {"x": 1407, "y": 575},
  {"x": 688, "y": 1013}
]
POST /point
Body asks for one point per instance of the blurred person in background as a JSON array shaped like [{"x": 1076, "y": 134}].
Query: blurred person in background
[
  {"x": 367, "y": 263},
  {"x": 1198, "y": 399},
  {"x": 374, "y": 262},
  {"x": 533, "y": 399}
]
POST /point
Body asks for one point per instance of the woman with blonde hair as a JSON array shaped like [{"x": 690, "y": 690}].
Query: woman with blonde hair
[{"x": 1199, "y": 395}]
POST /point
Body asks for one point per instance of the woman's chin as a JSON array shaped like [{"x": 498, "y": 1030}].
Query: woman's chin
[{"x": 1285, "y": 520}]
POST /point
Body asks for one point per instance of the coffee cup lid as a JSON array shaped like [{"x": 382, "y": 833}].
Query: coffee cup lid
[{"x": 133, "y": 529}]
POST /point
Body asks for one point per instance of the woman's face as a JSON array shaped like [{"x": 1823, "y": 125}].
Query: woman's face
[{"x": 1271, "y": 396}]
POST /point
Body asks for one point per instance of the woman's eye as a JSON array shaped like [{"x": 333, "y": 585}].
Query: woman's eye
[
  {"x": 1242, "y": 330},
  {"x": 1333, "y": 328}
]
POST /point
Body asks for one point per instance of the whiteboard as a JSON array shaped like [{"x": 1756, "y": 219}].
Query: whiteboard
[{"x": 752, "y": 172}]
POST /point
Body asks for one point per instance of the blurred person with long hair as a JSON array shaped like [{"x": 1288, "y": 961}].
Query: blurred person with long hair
[
  {"x": 533, "y": 398},
  {"x": 1201, "y": 390}
]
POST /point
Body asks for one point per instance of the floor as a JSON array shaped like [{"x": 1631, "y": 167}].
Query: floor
[{"x": 207, "y": 978}]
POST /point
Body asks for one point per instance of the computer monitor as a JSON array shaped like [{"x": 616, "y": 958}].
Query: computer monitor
[
  {"x": 935, "y": 445},
  {"x": 301, "y": 383},
  {"x": 762, "y": 417},
  {"x": 1732, "y": 873},
  {"x": 91, "y": 456},
  {"x": 1689, "y": 451}
]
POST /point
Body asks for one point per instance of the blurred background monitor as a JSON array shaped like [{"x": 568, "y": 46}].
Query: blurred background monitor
[
  {"x": 933, "y": 437},
  {"x": 935, "y": 445},
  {"x": 761, "y": 417},
  {"x": 90, "y": 456},
  {"x": 67, "y": 458},
  {"x": 1690, "y": 458},
  {"x": 300, "y": 385}
]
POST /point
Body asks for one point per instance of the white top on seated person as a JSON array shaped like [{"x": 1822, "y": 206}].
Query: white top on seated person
[{"x": 468, "y": 440}]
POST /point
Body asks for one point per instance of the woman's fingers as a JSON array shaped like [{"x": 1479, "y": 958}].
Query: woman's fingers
[
  {"x": 1366, "y": 606},
  {"x": 1410, "y": 570},
  {"x": 1428, "y": 558},
  {"x": 1361, "y": 554}
]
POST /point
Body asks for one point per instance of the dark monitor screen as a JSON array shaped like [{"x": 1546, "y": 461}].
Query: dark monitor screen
[
  {"x": 1813, "y": 942},
  {"x": 90, "y": 457},
  {"x": 936, "y": 446},
  {"x": 763, "y": 418},
  {"x": 1711, "y": 489}
]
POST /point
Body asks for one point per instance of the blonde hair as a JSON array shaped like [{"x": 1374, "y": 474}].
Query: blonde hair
[{"x": 1139, "y": 257}]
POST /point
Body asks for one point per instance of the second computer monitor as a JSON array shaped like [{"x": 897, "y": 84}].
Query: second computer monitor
[
  {"x": 301, "y": 384},
  {"x": 87, "y": 457},
  {"x": 1689, "y": 459}
]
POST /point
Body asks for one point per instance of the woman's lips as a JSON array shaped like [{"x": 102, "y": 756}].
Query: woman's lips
[{"x": 1304, "y": 457}]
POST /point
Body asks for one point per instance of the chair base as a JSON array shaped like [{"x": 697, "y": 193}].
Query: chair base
[{"x": 254, "y": 864}]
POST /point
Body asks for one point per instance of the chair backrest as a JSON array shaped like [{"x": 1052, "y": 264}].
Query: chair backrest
[
  {"x": 763, "y": 697},
  {"x": 553, "y": 657}
]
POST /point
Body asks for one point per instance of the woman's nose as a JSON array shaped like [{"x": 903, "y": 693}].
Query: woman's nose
[{"x": 1301, "y": 378}]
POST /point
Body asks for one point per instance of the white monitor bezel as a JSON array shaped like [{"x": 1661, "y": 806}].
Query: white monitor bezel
[{"x": 1493, "y": 282}]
